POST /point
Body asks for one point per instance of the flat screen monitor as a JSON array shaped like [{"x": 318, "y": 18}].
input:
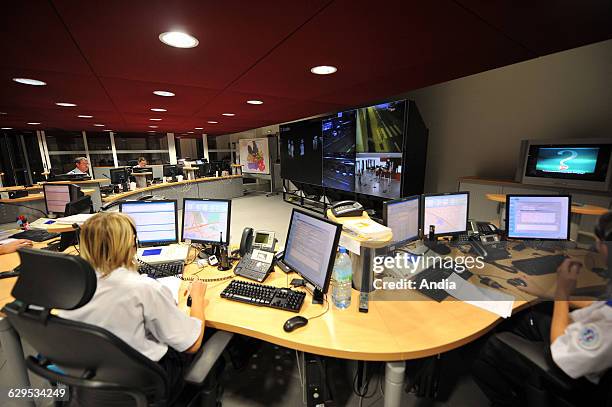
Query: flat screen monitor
[
  {"x": 301, "y": 151},
  {"x": 311, "y": 246},
  {"x": 78, "y": 206},
  {"x": 339, "y": 151},
  {"x": 137, "y": 170},
  {"x": 56, "y": 198},
  {"x": 448, "y": 212},
  {"x": 403, "y": 216},
  {"x": 380, "y": 128},
  {"x": 156, "y": 221},
  {"x": 545, "y": 217},
  {"x": 118, "y": 176},
  {"x": 171, "y": 170},
  {"x": 580, "y": 164},
  {"x": 206, "y": 220}
]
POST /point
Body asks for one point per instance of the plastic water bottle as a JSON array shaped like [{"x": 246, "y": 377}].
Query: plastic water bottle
[{"x": 342, "y": 279}]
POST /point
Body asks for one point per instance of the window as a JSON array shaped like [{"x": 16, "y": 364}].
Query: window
[
  {"x": 140, "y": 142},
  {"x": 99, "y": 142},
  {"x": 67, "y": 141}
]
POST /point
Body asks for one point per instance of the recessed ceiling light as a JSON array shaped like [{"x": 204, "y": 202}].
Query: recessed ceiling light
[
  {"x": 199, "y": 128},
  {"x": 255, "y": 102},
  {"x": 155, "y": 120},
  {"x": 108, "y": 130},
  {"x": 2, "y": 112},
  {"x": 212, "y": 122},
  {"x": 65, "y": 104},
  {"x": 190, "y": 132},
  {"x": 33, "y": 123},
  {"x": 158, "y": 109},
  {"x": 178, "y": 39},
  {"x": 27, "y": 81},
  {"x": 151, "y": 131},
  {"x": 7, "y": 128},
  {"x": 98, "y": 125},
  {"x": 153, "y": 127},
  {"x": 163, "y": 93},
  {"x": 85, "y": 116},
  {"x": 323, "y": 69},
  {"x": 228, "y": 114}
]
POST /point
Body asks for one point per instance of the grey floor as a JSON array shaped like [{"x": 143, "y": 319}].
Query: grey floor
[{"x": 270, "y": 377}]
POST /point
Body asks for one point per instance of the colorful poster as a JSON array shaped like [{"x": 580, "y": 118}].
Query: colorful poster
[{"x": 254, "y": 155}]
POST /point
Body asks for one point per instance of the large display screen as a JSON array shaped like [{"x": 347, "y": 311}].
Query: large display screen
[
  {"x": 339, "y": 151},
  {"x": 380, "y": 128},
  {"x": 576, "y": 160},
  {"x": 301, "y": 145}
]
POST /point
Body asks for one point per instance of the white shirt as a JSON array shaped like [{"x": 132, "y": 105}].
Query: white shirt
[
  {"x": 585, "y": 348},
  {"x": 76, "y": 171},
  {"x": 140, "y": 311}
]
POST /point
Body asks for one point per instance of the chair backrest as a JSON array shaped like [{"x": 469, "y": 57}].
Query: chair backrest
[{"x": 52, "y": 280}]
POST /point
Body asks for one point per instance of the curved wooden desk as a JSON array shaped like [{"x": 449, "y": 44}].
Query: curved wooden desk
[{"x": 578, "y": 209}]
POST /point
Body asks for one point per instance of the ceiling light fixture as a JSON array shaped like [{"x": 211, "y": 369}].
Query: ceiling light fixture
[
  {"x": 178, "y": 39},
  {"x": 255, "y": 102},
  {"x": 2, "y": 112},
  {"x": 153, "y": 127},
  {"x": 212, "y": 122},
  {"x": 158, "y": 109},
  {"x": 323, "y": 70},
  {"x": 65, "y": 104},
  {"x": 33, "y": 123},
  {"x": 85, "y": 116},
  {"x": 228, "y": 114},
  {"x": 163, "y": 93},
  {"x": 190, "y": 132},
  {"x": 199, "y": 128},
  {"x": 108, "y": 130},
  {"x": 98, "y": 125},
  {"x": 7, "y": 128},
  {"x": 28, "y": 81},
  {"x": 155, "y": 120}
]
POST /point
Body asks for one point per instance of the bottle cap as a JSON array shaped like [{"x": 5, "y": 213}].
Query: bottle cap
[{"x": 341, "y": 249}]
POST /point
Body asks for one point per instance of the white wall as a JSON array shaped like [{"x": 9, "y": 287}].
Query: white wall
[{"x": 476, "y": 123}]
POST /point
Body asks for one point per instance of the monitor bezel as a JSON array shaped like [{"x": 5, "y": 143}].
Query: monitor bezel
[
  {"x": 332, "y": 256},
  {"x": 162, "y": 242},
  {"x": 45, "y": 195},
  {"x": 401, "y": 200},
  {"x": 229, "y": 221},
  {"x": 569, "y": 215},
  {"x": 467, "y": 213}
]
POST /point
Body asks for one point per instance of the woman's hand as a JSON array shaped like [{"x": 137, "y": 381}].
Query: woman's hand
[{"x": 13, "y": 246}]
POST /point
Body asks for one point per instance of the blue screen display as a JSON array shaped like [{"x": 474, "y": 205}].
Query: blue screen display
[{"x": 572, "y": 160}]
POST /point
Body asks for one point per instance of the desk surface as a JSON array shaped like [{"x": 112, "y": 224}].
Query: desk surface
[
  {"x": 89, "y": 181},
  {"x": 114, "y": 197},
  {"x": 582, "y": 210},
  {"x": 37, "y": 197},
  {"x": 391, "y": 330}
]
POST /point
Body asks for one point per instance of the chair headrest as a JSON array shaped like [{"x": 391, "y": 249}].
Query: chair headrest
[{"x": 54, "y": 280}]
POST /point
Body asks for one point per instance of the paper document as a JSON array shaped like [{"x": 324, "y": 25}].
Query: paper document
[
  {"x": 78, "y": 219},
  {"x": 173, "y": 284},
  {"x": 482, "y": 297},
  {"x": 349, "y": 244}
]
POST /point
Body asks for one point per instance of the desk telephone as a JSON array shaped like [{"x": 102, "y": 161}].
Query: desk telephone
[
  {"x": 346, "y": 208},
  {"x": 257, "y": 254}
]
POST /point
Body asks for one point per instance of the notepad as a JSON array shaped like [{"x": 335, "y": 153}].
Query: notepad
[{"x": 482, "y": 297}]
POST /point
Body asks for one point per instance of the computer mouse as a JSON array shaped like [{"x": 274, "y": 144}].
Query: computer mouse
[
  {"x": 517, "y": 282},
  {"x": 293, "y": 323}
]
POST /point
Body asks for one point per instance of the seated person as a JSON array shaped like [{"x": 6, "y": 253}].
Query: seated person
[
  {"x": 12, "y": 247},
  {"x": 136, "y": 308},
  {"x": 580, "y": 342},
  {"x": 142, "y": 162},
  {"x": 81, "y": 166}
]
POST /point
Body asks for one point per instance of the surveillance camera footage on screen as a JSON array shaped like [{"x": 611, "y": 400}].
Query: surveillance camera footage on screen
[{"x": 576, "y": 160}]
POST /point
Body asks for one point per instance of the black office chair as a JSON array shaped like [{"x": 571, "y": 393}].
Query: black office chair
[
  {"x": 100, "y": 368},
  {"x": 550, "y": 386}
]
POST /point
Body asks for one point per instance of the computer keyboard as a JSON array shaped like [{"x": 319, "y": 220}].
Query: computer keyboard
[
  {"x": 35, "y": 235},
  {"x": 264, "y": 295},
  {"x": 436, "y": 274},
  {"x": 539, "y": 265},
  {"x": 169, "y": 269}
]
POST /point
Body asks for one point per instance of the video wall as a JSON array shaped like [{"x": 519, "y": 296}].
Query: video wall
[{"x": 360, "y": 151}]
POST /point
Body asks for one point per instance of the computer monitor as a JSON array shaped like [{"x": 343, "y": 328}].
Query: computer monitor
[
  {"x": 156, "y": 221},
  {"x": 171, "y": 170},
  {"x": 118, "y": 176},
  {"x": 137, "y": 170},
  {"x": 206, "y": 220},
  {"x": 78, "y": 206},
  {"x": 403, "y": 216},
  {"x": 545, "y": 217},
  {"x": 310, "y": 249},
  {"x": 56, "y": 198},
  {"x": 448, "y": 212}
]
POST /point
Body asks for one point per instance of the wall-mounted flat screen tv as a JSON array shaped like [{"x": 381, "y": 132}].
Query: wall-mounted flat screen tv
[{"x": 339, "y": 151}]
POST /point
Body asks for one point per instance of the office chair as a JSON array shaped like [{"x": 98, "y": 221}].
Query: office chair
[
  {"x": 550, "y": 386},
  {"x": 99, "y": 368}
]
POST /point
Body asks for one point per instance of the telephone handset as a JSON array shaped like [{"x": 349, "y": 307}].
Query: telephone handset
[
  {"x": 482, "y": 228},
  {"x": 346, "y": 208},
  {"x": 246, "y": 241},
  {"x": 257, "y": 254},
  {"x": 258, "y": 239}
]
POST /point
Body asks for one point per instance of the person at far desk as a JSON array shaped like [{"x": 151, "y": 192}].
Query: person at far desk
[
  {"x": 142, "y": 162},
  {"x": 136, "y": 308},
  {"x": 580, "y": 342},
  {"x": 81, "y": 166},
  {"x": 12, "y": 247}
]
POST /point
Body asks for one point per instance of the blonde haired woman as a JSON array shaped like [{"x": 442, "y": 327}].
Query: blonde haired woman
[{"x": 134, "y": 307}]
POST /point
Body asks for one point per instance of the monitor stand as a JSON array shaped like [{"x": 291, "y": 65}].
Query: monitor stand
[{"x": 317, "y": 296}]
